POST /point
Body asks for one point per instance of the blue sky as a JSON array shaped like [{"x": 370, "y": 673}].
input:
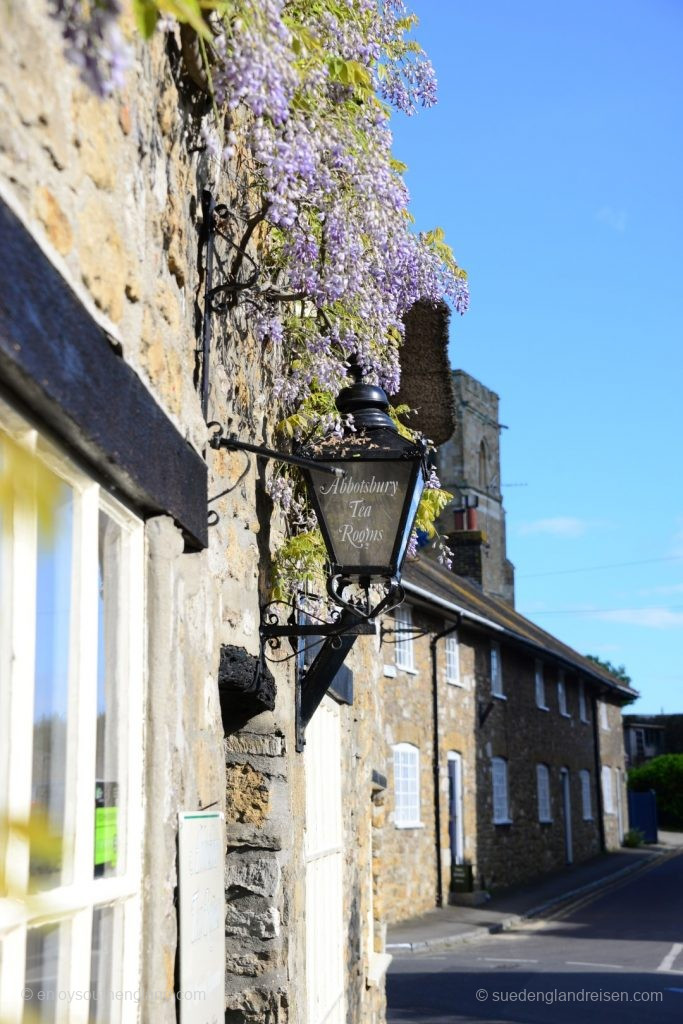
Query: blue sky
[{"x": 554, "y": 161}]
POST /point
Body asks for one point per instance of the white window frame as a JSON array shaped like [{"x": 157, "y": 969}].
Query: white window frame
[
  {"x": 500, "y": 791},
  {"x": 452, "y": 649},
  {"x": 604, "y": 720},
  {"x": 607, "y": 791},
  {"x": 496, "y": 668},
  {"x": 406, "y": 802},
  {"x": 543, "y": 793},
  {"x": 583, "y": 706},
  {"x": 586, "y": 803},
  {"x": 405, "y": 651},
  {"x": 72, "y": 903},
  {"x": 539, "y": 686},
  {"x": 324, "y": 868},
  {"x": 562, "y": 694}
]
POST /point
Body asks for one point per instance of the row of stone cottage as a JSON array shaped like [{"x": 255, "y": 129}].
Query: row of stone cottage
[{"x": 129, "y": 643}]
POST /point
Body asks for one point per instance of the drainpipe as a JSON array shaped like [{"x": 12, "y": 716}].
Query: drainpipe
[
  {"x": 436, "y": 759},
  {"x": 598, "y": 773}
]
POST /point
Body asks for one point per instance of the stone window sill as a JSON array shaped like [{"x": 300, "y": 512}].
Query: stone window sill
[
  {"x": 409, "y": 824},
  {"x": 503, "y": 821},
  {"x": 543, "y": 707},
  {"x": 545, "y": 821},
  {"x": 390, "y": 671},
  {"x": 408, "y": 671},
  {"x": 565, "y": 714},
  {"x": 499, "y": 696},
  {"x": 377, "y": 968},
  {"x": 455, "y": 682}
]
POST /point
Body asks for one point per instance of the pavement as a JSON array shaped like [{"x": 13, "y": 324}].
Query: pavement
[{"x": 449, "y": 926}]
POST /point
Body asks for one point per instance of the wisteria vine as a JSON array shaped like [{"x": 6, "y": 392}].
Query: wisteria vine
[{"x": 307, "y": 88}]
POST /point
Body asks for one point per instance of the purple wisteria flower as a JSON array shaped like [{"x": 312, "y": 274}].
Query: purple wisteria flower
[{"x": 93, "y": 41}]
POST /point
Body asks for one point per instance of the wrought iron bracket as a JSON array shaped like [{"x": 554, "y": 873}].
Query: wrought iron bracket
[
  {"x": 362, "y": 627},
  {"x": 333, "y": 641},
  {"x": 414, "y": 632},
  {"x": 261, "y": 452},
  {"x": 218, "y": 298},
  {"x": 313, "y": 683}
]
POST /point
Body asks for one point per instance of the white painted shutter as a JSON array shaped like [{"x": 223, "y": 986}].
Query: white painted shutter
[
  {"x": 586, "y": 795},
  {"x": 323, "y": 858},
  {"x": 500, "y": 789},
  {"x": 607, "y": 789},
  {"x": 543, "y": 792}
]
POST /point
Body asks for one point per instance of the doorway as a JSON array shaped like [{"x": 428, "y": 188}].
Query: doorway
[
  {"x": 567, "y": 815},
  {"x": 455, "y": 816}
]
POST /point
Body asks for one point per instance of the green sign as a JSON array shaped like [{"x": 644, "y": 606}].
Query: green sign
[{"x": 106, "y": 829}]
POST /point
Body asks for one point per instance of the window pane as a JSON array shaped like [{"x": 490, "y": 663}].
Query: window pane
[
  {"x": 41, "y": 977},
  {"x": 109, "y": 787},
  {"x": 51, "y": 695},
  {"x": 5, "y": 636},
  {"x": 105, "y": 951}
]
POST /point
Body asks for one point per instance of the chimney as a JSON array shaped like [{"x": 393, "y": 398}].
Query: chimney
[{"x": 468, "y": 549}]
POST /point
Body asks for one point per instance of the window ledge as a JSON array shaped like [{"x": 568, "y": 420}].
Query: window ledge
[
  {"x": 586, "y": 721},
  {"x": 546, "y": 821},
  {"x": 503, "y": 821},
  {"x": 410, "y": 671},
  {"x": 565, "y": 714},
  {"x": 499, "y": 696},
  {"x": 390, "y": 671},
  {"x": 588, "y": 818},
  {"x": 409, "y": 824},
  {"x": 543, "y": 707},
  {"x": 377, "y": 968},
  {"x": 455, "y": 682}
]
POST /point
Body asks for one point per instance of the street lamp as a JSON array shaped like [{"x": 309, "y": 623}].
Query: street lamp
[
  {"x": 366, "y": 513},
  {"x": 365, "y": 488}
]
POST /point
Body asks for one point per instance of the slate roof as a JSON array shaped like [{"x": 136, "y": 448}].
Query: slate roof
[{"x": 492, "y": 614}]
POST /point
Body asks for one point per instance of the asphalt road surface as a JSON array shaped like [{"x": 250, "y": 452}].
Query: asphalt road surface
[{"x": 614, "y": 959}]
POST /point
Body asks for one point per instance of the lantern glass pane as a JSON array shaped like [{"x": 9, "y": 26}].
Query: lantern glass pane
[
  {"x": 410, "y": 518},
  {"x": 363, "y": 509}
]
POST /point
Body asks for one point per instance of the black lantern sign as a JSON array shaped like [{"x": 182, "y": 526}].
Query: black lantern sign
[{"x": 366, "y": 513}]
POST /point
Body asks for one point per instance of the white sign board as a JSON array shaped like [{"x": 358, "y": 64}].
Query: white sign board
[{"x": 201, "y": 878}]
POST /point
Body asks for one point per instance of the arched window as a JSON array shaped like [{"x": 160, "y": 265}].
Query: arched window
[
  {"x": 483, "y": 465},
  {"x": 406, "y": 785}
]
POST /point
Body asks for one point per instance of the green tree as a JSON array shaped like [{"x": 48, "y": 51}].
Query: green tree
[
  {"x": 619, "y": 672},
  {"x": 665, "y": 775}
]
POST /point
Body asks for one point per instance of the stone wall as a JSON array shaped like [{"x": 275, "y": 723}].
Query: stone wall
[
  {"x": 612, "y": 755},
  {"x": 409, "y": 857},
  {"x": 478, "y": 725},
  {"x": 469, "y": 465},
  {"x": 516, "y": 729},
  {"x": 110, "y": 190}
]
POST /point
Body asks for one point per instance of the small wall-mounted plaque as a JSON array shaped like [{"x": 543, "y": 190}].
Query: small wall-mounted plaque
[{"x": 201, "y": 868}]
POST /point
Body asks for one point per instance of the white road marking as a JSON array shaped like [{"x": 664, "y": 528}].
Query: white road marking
[
  {"x": 668, "y": 961},
  {"x": 584, "y": 963},
  {"x": 508, "y": 959}
]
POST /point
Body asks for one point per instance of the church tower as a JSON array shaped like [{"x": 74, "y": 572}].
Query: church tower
[{"x": 469, "y": 467}]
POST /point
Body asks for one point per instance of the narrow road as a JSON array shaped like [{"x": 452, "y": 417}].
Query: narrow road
[{"x": 614, "y": 959}]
